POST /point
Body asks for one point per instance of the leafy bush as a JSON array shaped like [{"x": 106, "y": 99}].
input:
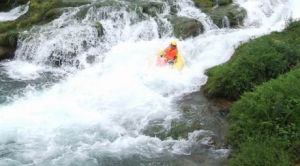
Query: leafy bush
[
  {"x": 263, "y": 153},
  {"x": 254, "y": 63},
  {"x": 265, "y": 123}
]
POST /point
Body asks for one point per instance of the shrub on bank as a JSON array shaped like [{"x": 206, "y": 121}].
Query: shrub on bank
[
  {"x": 265, "y": 123},
  {"x": 254, "y": 63}
]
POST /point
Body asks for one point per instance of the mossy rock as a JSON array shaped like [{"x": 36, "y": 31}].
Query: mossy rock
[
  {"x": 185, "y": 27},
  {"x": 204, "y": 5},
  {"x": 8, "y": 43},
  {"x": 234, "y": 13},
  {"x": 6, "y": 53},
  {"x": 9, "y": 39},
  {"x": 151, "y": 8},
  {"x": 54, "y": 13},
  {"x": 99, "y": 28},
  {"x": 6, "y": 5},
  {"x": 223, "y": 2},
  {"x": 74, "y": 3}
]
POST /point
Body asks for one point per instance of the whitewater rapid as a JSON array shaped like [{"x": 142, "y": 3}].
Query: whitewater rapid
[
  {"x": 96, "y": 112},
  {"x": 14, "y": 13}
]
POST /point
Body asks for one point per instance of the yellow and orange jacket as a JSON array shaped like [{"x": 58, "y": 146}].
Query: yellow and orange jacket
[{"x": 171, "y": 54}]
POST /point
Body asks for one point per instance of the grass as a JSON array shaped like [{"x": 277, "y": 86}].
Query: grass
[
  {"x": 254, "y": 63},
  {"x": 265, "y": 123}
]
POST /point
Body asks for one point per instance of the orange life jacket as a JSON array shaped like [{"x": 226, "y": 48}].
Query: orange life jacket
[{"x": 170, "y": 53}]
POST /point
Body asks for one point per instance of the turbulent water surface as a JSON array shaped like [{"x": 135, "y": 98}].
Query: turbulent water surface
[
  {"x": 107, "y": 104},
  {"x": 14, "y": 13}
]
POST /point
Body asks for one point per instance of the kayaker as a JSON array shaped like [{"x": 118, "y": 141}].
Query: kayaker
[{"x": 171, "y": 52}]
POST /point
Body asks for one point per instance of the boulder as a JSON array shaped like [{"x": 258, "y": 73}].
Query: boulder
[
  {"x": 54, "y": 13},
  {"x": 222, "y": 11},
  {"x": 99, "y": 28},
  {"x": 204, "y": 5},
  {"x": 6, "y": 53},
  {"x": 151, "y": 8},
  {"x": 73, "y": 3},
  {"x": 6, "y": 5},
  {"x": 184, "y": 27},
  {"x": 234, "y": 13},
  {"x": 222, "y": 2}
]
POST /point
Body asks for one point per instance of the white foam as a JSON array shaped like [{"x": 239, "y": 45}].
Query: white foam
[{"x": 13, "y": 14}]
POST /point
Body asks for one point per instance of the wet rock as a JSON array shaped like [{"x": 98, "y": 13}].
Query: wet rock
[
  {"x": 9, "y": 39},
  {"x": 222, "y": 104},
  {"x": 223, "y": 2},
  {"x": 173, "y": 9},
  {"x": 204, "y": 5},
  {"x": 185, "y": 27},
  {"x": 234, "y": 13},
  {"x": 99, "y": 28},
  {"x": 151, "y": 8},
  {"x": 6, "y": 53},
  {"x": 107, "y": 3},
  {"x": 74, "y": 3},
  {"x": 8, "y": 44},
  {"x": 54, "y": 13},
  {"x": 221, "y": 10},
  {"x": 6, "y": 5},
  {"x": 90, "y": 59}
]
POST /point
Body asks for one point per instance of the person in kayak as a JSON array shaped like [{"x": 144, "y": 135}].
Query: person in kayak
[{"x": 171, "y": 53}]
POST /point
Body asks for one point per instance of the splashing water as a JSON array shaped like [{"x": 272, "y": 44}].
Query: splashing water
[
  {"x": 13, "y": 14},
  {"x": 98, "y": 112}
]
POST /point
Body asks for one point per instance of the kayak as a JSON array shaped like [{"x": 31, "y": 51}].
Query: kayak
[{"x": 179, "y": 62}]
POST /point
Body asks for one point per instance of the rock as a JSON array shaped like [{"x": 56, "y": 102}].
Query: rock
[
  {"x": 74, "y": 3},
  {"x": 185, "y": 27},
  {"x": 151, "y": 8},
  {"x": 221, "y": 10},
  {"x": 90, "y": 59},
  {"x": 99, "y": 28},
  {"x": 222, "y": 2},
  {"x": 6, "y": 5},
  {"x": 234, "y": 13},
  {"x": 8, "y": 44},
  {"x": 9, "y": 39},
  {"x": 54, "y": 13},
  {"x": 6, "y": 53},
  {"x": 204, "y": 5},
  {"x": 173, "y": 9},
  {"x": 222, "y": 104}
]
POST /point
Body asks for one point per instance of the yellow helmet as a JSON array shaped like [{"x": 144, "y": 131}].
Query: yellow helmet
[
  {"x": 160, "y": 53},
  {"x": 174, "y": 43}
]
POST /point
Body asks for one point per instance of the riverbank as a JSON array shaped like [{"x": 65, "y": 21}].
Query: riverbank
[{"x": 263, "y": 79}]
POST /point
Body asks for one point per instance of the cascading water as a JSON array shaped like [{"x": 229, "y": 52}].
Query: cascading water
[
  {"x": 69, "y": 111},
  {"x": 14, "y": 13}
]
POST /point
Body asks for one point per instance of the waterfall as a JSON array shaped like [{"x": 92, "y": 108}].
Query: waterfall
[
  {"x": 225, "y": 22},
  {"x": 15, "y": 13}
]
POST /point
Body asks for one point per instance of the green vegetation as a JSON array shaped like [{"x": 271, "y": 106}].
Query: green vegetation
[
  {"x": 264, "y": 124},
  {"x": 265, "y": 128},
  {"x": 254, "y": 63}
]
